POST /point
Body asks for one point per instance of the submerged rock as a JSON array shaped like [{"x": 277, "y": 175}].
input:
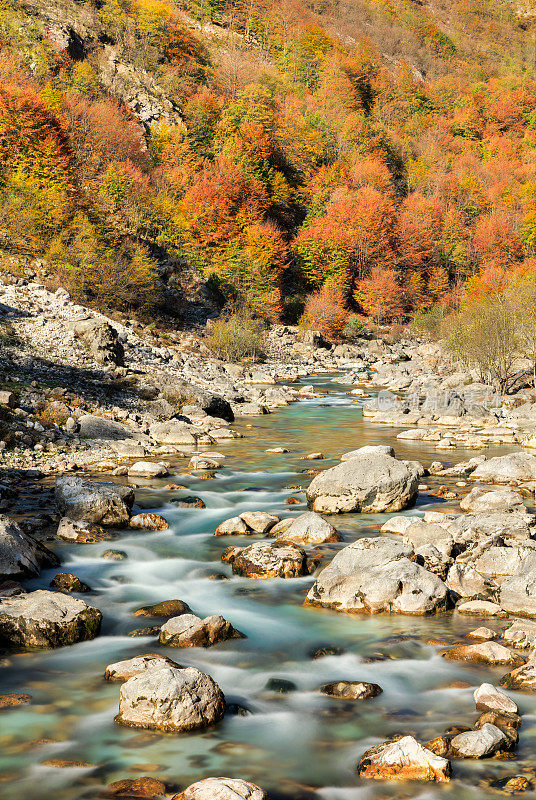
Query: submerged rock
[
  {"x": 188, "y": 630},
  {"x": 171, "y": 699},
  {"x": 148, "y": 522},
  {"x": 80, "y": 532},
  {"x": 146, "y": 787},
  {"x": 222, "y": 789},
  {"x": 124, "y": 670},
  {"x": 351, "y": 690},
  {"x": 376, "y": 574},
  {"x": 403, "y": 760},
  {"x": 105, "y": 503},
  {"x": 68, "y": 582},
  {"x": 47, "y": 619},
  {"x": 270, "y": 560},
  {"x": 166, "y": 609},
  {"x": 368, "y": 483}
]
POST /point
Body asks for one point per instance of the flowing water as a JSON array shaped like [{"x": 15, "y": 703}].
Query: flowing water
[{"x": 288, "y": 742}]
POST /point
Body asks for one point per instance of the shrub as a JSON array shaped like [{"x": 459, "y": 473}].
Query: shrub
[
  {"x": 429, "y": 322},
  {"x": 326, "y": 312},
  {"x": 237, "y": 335},
  {"x": 355, "y": 328}
]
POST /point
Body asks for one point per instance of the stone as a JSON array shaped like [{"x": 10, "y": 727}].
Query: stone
[
  {"x": 14, "y": 699},
  {"x": 189, "y": 502},
  {"x": 67, "y": 582},
  {"x": 485, "y": 653},
  {"x": 482, "y": 499},
  {"x": 398, "y": 524},
  {"x": 522, "y": 678},
  {"x": 270, "y": 560},
  {"x": 310, "y": 529},
  {"x": 147, "y": 469},
  {"x": 351, "y": 690},
  {"x": 512, "y": 467},
  {"x": 367, "y": 483},
  {"x": 521, "y": 633},
  {"x": 369, "y": 450},
  {"x": 166, "y": 609},
  {"x": 146, "y": 787},
  {"x": 102, "y": 340},
  {"x": 259, "y": 521},
  {"x": 173, "y": 432},
  {"x": 479, "y": 607},
  {"x": 114, "y": 555},
  {"x": 490, "y": 698},
  {"x": 80, "y": 532},
  {"x": 148, "y": 522},
  {"x": 480, "y": 743},
  {"x": 204, "y": 462},
  {"x": 92, "y": 427},
  {"x": 465, "y": 581},
  {"x": 188, "y": 630},
  {"x": 404, "y": 759},
  {"x": 21, "y": 556},
  {"x": 518, "y": 593},
  {"x": 170, "y": 699},
  {"x": 222, "y": 789},
  {"x": 47, "y": 619},
  {"x": 231, "y": 527},
  {"x": 108, "y": 504},
  {"x": 483, "y": 634},
  {"x": 376, "y": 574},
  {"x": 124, "y": 670}
]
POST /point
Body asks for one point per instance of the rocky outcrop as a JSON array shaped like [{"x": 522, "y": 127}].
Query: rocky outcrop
[
  {"x": 47, "y": 619},
  {"x": 21, "y": 556},
  {"x": 403, "y": 760},
  {"x": 108, "y": 504},
  {"x": 171, "y": 699},
  {"x": 373, "y": 575},
  {"x": 367, "y": 483}
]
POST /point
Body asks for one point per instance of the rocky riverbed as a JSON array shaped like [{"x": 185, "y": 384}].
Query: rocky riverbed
[{"x": 311, "y": 604}]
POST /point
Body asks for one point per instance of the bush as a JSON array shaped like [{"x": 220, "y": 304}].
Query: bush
[
  {"x": 237, "y": 335},
  {"x": 428, "y": 322},
  {"x": 326, "y": 312},
  {"x": 355, "y": 328}
]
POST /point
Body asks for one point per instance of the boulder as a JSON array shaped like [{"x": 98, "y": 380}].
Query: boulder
[
  {"x": 68, "y": 582},
  {"x": 310, "y": 529},
  {"x": 480, "y": 743},
  {"x": 188, "y": 630},
  {"x": 351, "y": 690},
  {"x": 369, "y": 450},
  {"x": 92, "y": 427},
  {"x": 47, "y": 619},
  {"x": 376, "y": 574},
  {"x": 490, "y": 698},
  {"x": 147, "y": 469},
  {"x": 512, "y": 467},
  {"x": 80, "y": 532},
  {"x": 259, "y": 521},
  {"x": 231, "y": 527},
  {"x": 166, "y": 609},
  {"x": 398, "y": 524},
  {"x": 102, "y": 340},
  {"x": 270, "y": 560},
  {"x": 204, "y": 462},
  {"x": 518, "y": 593},
  {"x": 485, "y": 653},
  {"x": 170, "y": 699},
  {"x": 482, "y": 499},
  {"x": 521, "y": 633},
  {"x": 148, "y": 522},
  {"x": 222, "y": 789},
  {"x": 522, "y": 678},
  {"x": 145, "y": 788},
  {"x": 106, "y": 503},
  {"x": 465, "y": 581},
  {"x": 21, "y": 556},
  {"x": 174, "y": 432},
  {"x": 403, "y": 760},
  {"x": 367, "y": 483},
  {"x": 124, "y": 670}
]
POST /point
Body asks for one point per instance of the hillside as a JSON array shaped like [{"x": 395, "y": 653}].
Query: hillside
[{"x": 172, "y": 158}]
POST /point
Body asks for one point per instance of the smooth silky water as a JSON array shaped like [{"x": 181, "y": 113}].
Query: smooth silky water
[{"x": 288, "y": 743}]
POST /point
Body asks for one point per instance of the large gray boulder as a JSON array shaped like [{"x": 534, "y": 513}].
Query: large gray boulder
[
  {"x": 512, "y": 467},
  {"x": 372, "y": 483},
  {"x": 102, "y": 341},
  {"x": 103, "y": 502},
  {"x": 188, "y": 630},
  {"x": 47, "y": 619},
  {"x": 21, "y": 556},
  {"x": 174, "y": 432},
  {"x": 373, "y": 575},
  {"x": 124, "y": 670},
  {"x": 480, "y": 743},
  {"x": 92, "y": 427},
  {"x": 309, "y": 529},
  {"x": 170, "y": 699},
  {"x": 222, "y": 789}
]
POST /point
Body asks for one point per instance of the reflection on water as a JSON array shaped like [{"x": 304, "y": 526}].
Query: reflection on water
[{"x": 287, "y": 742}]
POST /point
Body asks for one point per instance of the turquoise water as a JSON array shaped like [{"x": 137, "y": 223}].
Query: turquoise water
[{"x": 288, "y": 743}]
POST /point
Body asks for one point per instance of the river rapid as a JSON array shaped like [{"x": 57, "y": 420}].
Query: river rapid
[{"x": 289, "y": 743}]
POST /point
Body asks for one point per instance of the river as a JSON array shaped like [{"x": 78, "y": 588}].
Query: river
[{"x": 288, "y": 742}]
